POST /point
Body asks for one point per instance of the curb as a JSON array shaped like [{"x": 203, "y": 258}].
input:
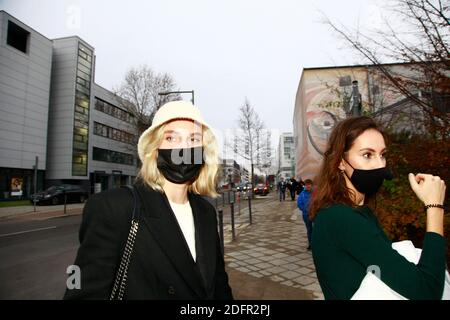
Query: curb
[{"x": 42, "y": 215}]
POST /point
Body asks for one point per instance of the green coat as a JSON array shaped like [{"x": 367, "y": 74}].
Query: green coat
[{"x": 346, "y": 241}]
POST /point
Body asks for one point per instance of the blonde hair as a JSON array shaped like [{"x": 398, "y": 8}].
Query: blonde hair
[{"x": 205, "y": 184}]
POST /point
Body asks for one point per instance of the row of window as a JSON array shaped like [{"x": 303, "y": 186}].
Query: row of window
[
  {"x": 114, "y": 111},
  {"x": 287, "y": 150},
  {"x": 99, "y": 154},
  {"x": 81, "y": 114},
  {"x": 84, "y": 53},
  {"x": 113, "y": 133}
]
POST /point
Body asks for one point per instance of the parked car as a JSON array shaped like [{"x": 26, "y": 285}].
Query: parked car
[
  {"x": 241, "y": 187},
  {"x": 56, "y": 194},
  {"x": 244, "y": 187},
  {"x": 261, "y": 189}
]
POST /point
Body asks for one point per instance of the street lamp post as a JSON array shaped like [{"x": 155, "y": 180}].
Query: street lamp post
[{"x": 171, "y": 92}]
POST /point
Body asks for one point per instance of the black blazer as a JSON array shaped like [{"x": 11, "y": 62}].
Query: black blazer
[{"x": 161, "y": 265}]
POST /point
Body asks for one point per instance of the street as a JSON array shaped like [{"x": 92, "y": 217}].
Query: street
[
  {"x": 35, "y": 251},
  {"x": 35, "y": 255},
  {"x": 267, "y": 260}
]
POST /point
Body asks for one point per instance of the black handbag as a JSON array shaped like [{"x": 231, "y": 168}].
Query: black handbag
[{"x": 120, "y": 281}]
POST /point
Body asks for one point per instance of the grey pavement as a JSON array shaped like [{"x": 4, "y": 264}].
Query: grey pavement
[{"x": 271, "y": 253}]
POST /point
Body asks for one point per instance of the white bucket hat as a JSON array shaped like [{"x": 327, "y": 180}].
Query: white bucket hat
[{"x": 170, "y": 111}]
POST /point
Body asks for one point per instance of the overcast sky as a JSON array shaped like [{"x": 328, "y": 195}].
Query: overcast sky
[{"x": 224, "y": 50}]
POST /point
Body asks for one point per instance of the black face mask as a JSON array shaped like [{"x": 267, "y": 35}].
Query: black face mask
[
  {"x": 369, "y": 181},
  {"x": 180, "y": 165}
]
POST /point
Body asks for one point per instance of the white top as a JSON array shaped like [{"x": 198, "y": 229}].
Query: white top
[{"x": 185, "y": 218}]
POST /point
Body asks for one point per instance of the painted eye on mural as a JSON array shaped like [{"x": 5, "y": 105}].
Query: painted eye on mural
[{"x": 320, "y": 125}]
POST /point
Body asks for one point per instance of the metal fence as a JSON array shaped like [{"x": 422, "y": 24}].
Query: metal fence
[{"x": 232, "y": 207}]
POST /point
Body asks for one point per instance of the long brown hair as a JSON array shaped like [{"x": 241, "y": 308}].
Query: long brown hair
[{"x": 331, "y": 186}]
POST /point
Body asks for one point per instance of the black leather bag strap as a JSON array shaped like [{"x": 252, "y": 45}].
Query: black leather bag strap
[
  {"x": 120, "y": 281},
  {"x": 136, "y": 214}
]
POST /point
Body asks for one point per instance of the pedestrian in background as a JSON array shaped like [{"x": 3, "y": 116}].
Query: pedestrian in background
[
  {"x": 293, "y": 189},
  {"x": 282, "y": 189},
  {"x": 303, "y": 203},
  {"x": 300, "y": 186},
  {"x": 289, "y": 185}
]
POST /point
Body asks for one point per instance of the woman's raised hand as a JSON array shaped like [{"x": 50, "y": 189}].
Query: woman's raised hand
[{"x": 428, "y": 188}]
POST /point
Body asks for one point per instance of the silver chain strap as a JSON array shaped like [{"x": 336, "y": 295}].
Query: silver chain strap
[{"x": 121, "y": 276}]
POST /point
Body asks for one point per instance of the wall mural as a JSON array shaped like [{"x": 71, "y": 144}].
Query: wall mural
[{"x": 326, "y": 98}]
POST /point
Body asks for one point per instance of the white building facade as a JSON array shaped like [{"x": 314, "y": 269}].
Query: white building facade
[
  {"x": 52, "y": 111},
  {"x": 113, "y": 140},
  {"x": 25, "y": 74},
  {"x": 286, "y": 155}
]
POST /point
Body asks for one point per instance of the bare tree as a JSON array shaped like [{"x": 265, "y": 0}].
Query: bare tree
[
  {"x": 252, "y": 141},
  {"x": 140, "y": 93},
  {"x": 420, "y": 40}
]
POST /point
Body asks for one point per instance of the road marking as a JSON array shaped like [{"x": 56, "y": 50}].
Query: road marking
[{"x": 26, "y": 231}]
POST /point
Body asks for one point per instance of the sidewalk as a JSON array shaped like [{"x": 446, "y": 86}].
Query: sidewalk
[
  {"x": 42, "y": 212},
  {"x": 268, "y": 260}
]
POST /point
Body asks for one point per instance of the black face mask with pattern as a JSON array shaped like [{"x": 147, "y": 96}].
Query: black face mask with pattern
[
  {"x": 369, "y": 182},
  {"x": 180, "y": 165}
]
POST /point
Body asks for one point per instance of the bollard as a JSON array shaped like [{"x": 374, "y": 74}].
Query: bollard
[
  {"x": 233, "y": 232},
  {"x": 250, "y": 206},
  {"x": 239, "y": 203},
  {"x": 65, "y": 201},
  {"x": 221, "y": 231}
]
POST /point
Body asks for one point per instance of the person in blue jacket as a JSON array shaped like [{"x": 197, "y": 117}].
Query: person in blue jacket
[{"x": 303, "y": 204}]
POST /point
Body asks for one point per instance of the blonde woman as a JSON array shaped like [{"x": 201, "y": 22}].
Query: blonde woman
[{"x": 176, "y": 253}]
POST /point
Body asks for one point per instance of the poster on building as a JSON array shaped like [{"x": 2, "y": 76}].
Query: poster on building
[{"x": 16, "y": 186}]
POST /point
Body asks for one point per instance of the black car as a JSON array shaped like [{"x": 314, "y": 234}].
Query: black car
[
  {"x": 59, "y": 194},
  {"x": 261, "y": 189}
]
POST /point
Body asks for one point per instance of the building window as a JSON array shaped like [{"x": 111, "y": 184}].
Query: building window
[
  {"x": 345, "y": 81},
  {"x": 288, "y": 140},
  {"x": 113, "y": 133},
  {"x": 375, "y": 89},
  {"x": 114, "y": 111},
  {"x": 17, "y": 37},
  {"x": 81, "y": 112},
  {"x": 99, "y": 154},
  {"x": 79, "y": 163}
]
